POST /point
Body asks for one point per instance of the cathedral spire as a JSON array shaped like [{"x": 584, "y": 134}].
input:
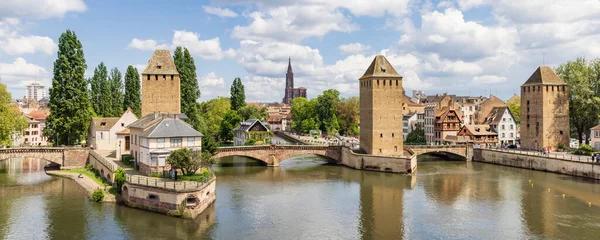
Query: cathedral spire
[{"x": 289, "y": 65}]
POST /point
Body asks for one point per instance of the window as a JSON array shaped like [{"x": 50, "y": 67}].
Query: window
[
  {"x": 175, "y": 142},
  {"x": 561, "y": 132},
  {"x": 512, "y": 135},
  {"x": 153, "y": 197},
  {"x": 511, "y": 127},
  {"x": 160, "y": 142},
  {"x": 377, "y": 82},
  {"x": 396, "y": 148},
  {"x": 156, "y": 77},
  {"x": 392, "y": 134},
  {"x": 504, "y": 119},
  {"x": 502, "y": 127},
  {"x": 154, "y": 161},
  {"x": 191, "y": 141},
  {"x": 122, "y": 124},
  {"x": 101, "y": 135},
  {"x": 171, "y": 77},
  {"x": 537, "y": 128},
  {"x": 148, "y": 77},
  {"x": 102, "y": 124},
  {"x": 164, "y": 77},
  {"x": 381, "y": 135},
  {"x": 503, "y": 135}
]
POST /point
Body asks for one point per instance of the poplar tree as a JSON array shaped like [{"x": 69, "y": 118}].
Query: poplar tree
[
  {"x": 116, "y": 91},
  {"x": 97, "y": 85},
  {"x": 190, "y": 92},
  {"x": 238, "y": 96},
  {"x": 69, "y": 103},
  {"x": 132, "y": 97}
]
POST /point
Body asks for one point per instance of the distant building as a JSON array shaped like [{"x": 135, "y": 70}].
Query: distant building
[
  {"x": 161, "y": 85},
  {"x": 409, "y": 123},
  {"x": 418, "y": 96},
  {"x": 381, "y": 95},
  {"x": 103, "y": 133},
  {"x": 279, "y": 122},
  {"x": 36, "y": 92},
  {"x": 446, "y": 123},
  {"x": 468, "y": 107},
  {"x": 502, "y": 121},
  {"x": 155, "y": 135},
  {"x": 251, "y": 129},
  {"x": 408, "y": 106},
  {"x": 433, "y": 106},
  {"x": 595, "y": 138},
  {"x": 34, "y": 134},
  {"x": 290, "y": 91},
  {"x": 485, "y": 108},
  {"x": 478, "y": 134},
  {"x": 544, "y": 111}
]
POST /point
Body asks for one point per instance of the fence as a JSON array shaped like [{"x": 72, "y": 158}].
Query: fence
[
  {"x": 108, "y": 164},
  {"x": 556, "y": 155},
  {"x": 168, "y": 184}
]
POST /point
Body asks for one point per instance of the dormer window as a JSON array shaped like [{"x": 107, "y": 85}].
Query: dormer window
[
  {"x": 102, "y": 124},
  {"x": 159, "y": 66},
  {"x": 382, "y": 69}
]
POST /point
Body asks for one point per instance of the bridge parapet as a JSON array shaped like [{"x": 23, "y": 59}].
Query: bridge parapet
[
  {"x": 465, "y": 151},
  {"x": 272, "y": 155},
  {"x": 64, "y": 156}
]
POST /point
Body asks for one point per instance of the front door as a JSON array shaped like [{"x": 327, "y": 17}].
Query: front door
[{"x": 127, "y": 143}]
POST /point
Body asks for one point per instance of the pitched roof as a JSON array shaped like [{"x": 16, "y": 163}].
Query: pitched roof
[
  {"x": 104, "y": 124},
  {"x": 380, "y": 67},
  {"x": 38, "y": 114},
  {"x": 152, "y": 118},
  {"x": 480, "y": 130},
  {"x": 409, "y": 102},
  {"x": 124, "y": 132},
  {"x": 161, "y": 63},
  {"x": 515, "y": 99},
  {"x": 596, "y": 128},
  {"x": 544, "y": 75},
  {"x": 171, "y": 127},
  {"x": 495, "y": 115},
  {"x": 248, "y": 124}
]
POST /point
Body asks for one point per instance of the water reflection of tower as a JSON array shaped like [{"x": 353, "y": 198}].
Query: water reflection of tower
[{"x": 381, "y": 204}]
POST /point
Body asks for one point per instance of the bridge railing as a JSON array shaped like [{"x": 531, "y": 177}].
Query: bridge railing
[
  {"x": 108, "y": 164},
  {"x": 555, "y": 155},
  {"x": 168, "y": 184}
]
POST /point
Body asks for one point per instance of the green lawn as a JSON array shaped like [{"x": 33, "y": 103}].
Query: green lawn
[
  {"x": 198, "y": 177},
  {"x": 90, "y": 174}
]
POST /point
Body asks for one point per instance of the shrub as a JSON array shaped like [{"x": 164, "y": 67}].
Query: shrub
[
  {"x": 97, "y": 195},
  {"x": 561, "y": 147},
  {"x": 127, "y": 160},
  {"x": 584, "y": 149},
  {"x": 250, "y": 142},
  {"x": 119, "y": 179},
  {"x": 155, "y": 174},
  {"x": 89, "y": 167}
]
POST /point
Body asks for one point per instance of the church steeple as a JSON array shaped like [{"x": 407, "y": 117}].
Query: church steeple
[{"x": 290, "y": 65}]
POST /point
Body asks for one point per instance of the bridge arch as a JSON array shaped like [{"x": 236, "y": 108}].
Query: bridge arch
[
  {"x": 253, "y": 158},
  {"x": 48, "y": 154},
  {"x": 274, "y": 154},
  {"x": 452, "y": 151}
]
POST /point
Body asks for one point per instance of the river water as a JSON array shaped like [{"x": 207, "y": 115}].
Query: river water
[{"x": 306, "y": 199}]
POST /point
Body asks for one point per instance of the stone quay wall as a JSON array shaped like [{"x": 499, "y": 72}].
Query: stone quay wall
[
  {"x": 105, "y": 167},
  {"x": 538, "y": 163},
  {"x": 180, "y": 203},
  {"x": 401, "y": 164},
  {"x": 75, "y": 157}
]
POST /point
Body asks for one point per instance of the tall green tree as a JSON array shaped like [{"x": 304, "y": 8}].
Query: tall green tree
[
  {"x": 190, "y": 92},
  {"x": 347, "y": 115},
  {"x": 238, "y": 95},
  {"x": 304, "y": 117},
  {"x": 69, "y": 103},
  {"x": 326, "y": 110},
  {"x": 12, "y": 122},
  {"x": 133, "y": 97},
  {"x": 212, "y": 113},
  {"x": 231, "y": 120},
  {"x": 116, "y": 91},
  {"x": 416, "y": 136},
  {"x": 95, "y": 82},
  {"x": 106, "y": 100},
  {"x": 584, "y": 103},
  {"x": 253, "y": 112}
]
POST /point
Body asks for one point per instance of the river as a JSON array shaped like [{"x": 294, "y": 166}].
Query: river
[{"x": 307, "y": 199}]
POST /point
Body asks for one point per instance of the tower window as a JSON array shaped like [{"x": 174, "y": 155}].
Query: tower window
[
  {"x": 377, "y": 82},
  {"x": 171, "y": 77},
  {"x": 164, "y": 77},
  {"x": 148, "y": 77},
  {"x": 390, "y": 82},
  {"x": 396, "y": 148},
  {"x": 156, "y": 77},
  {"x": 159, "y": 66},
  {"x": 383, "y": 82},
  {"x": 381, "y": 135},
  {"x": 396, "y": 82},
  {"x": 392, "y": 134},
  {"x": 561, "y": 132},
  {"x": 547, "y": 88}
]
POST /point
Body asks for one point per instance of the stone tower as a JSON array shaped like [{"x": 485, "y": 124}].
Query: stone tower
[
  {"x": 161, "y": 85},
  {"x": 544, "y": 111},
  {"x": 289, "y": 84},
  {"x": 381, "y": 109}
]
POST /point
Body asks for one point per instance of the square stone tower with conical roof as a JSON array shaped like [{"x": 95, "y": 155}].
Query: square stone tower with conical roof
[
  {"x": 544, "y": 111},
  {"x": 161, "y": 85},
  {"x": 381, "y": 109}
]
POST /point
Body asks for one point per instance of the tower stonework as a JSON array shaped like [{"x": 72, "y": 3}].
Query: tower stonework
[
  {"x": 544, "y": 111},
  {"x": 381, "y": 94},
  {"x": 161, "y": 85}
]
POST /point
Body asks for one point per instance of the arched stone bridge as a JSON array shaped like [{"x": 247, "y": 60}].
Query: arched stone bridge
[
  {"x": 274, "y": 154},
  {"x": 64, "y": 156},
  {"x": 465, "y": 151}
]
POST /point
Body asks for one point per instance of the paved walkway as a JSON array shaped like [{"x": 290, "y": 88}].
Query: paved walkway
[
  {"x": 86, "y": 183},
  {"x": 557, "y": 155}
]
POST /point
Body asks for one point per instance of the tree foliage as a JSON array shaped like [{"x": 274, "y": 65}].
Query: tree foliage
[
  {"x": 69, "y": 100},
  {"x": 231, "y": 120},
  {"x": 326, "y": 110},
  {"x": 119, "y": 178},
  {"x": 347, "y": 115},
  {"x": 212, "y": 113},
  {"x": 238, "y": 96},
  {"x": 253, "y": 112},
  {"x": 515, "y": 109},
  {"x": 132, "y": 98},
  {"x": 116, "y": 91},
  {"x": 583, "y": 79},
  {"x": 189, "y": 161},
  {"x": 12, "y": 122},
  {"x": 321, "y": 113},
  {"x": 250, "y": 142},
  {"x": 304, "y": 117},
  {"x": 190, "y": 92},
  {"x": 416, "y": 136}
]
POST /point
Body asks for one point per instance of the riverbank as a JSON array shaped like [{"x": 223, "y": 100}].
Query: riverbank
[{"x": 87, "y": 184}]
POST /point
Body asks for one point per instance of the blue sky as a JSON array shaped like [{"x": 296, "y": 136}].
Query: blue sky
[{"x": 463, "y": 47}]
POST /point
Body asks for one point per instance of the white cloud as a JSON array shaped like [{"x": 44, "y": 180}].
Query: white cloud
[
  {"x": 146, "y": 45},
  {"x": 19, "y": 73},
  {"x": 212, "y": 86},
  {"x": 354, "y": 48},
  {"x": 544, "y": 11},
  {"x": 271, "y": 58},
  {"x": 488, "y": 79},
  {"x": 221, "y": 12},
  {"x": 40, "y": 8},
  {"x": 209, "y": 49},
  {"x": 28, "y": 45},
  {"x": 468, "y": 4},
  {"x": 211, "y": 80}
]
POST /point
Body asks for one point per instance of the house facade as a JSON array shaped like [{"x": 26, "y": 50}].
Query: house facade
[
  {"x": 251, "y": 129},
  {"x": 409, "y": 123},
  {"x": 156, "y": 135},
  {"x": 503, "y": 123},
  {"x": 447, "y": 124},
  {"x": 433, "y": 106},
  {"x": 482, "y": 135},
  {"x": 595, "y": 137},
  {"x": 34, "y": 134},
  {"x": 103, "y": 133}
]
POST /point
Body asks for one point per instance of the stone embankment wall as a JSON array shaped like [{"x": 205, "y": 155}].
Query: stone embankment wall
[
  {"x": 75, "y": 157},
  {"x": 105, "y": 167},
  {"x": 378, "y": 163},
  {"x": 187, "y": 203},
  {"x": 539, "y": 163}
]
